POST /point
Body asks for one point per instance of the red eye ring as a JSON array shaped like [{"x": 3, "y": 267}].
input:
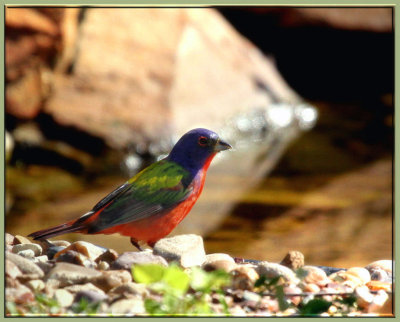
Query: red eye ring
[{"x": 203, "y": 141}]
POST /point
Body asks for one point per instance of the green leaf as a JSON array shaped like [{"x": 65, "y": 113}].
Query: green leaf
[
  {"x": 205, "y": 282},
  {"x": 176, "y": 278},
  {"x": 280, "y": 296},
  {"x": 148, "y": 273},
  {"x": 315, "y": 306}
]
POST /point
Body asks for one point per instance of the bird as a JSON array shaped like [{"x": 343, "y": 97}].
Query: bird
[{"x": 148, "y": 206}]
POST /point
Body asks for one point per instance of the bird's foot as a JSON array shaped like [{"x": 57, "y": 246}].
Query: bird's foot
[{"x": 135, "y": 243}]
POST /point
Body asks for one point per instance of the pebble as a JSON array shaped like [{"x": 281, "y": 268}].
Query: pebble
[
  {"x": 9, "y": 239},
  {"x": 70, "y": 274},
  {"x": 315, "y": 275},
  {"x": 35, "y": 248},
  {"x": 360, "y": 272},
  {"x": 348, "y": 279},
  {"x": 109, "y": 256},
  {"x": 35, "y": 285},
  {"x": 311, "y": 287},
  {"x": 272, "y": 270},
  {"x": 188, "y": 250},
  {"x": 12, "y": 269},
  {"x": 244, "y": 277},
  {"x": 251, "y": 296},
  {"x": 41, "y": 259},
  {"x": 25, "y": 265},
  {"x": 21, "y": 240},
  {"x": 127, "y": 306},
  {"x": 73, "y": 257},
  {"x": 292, "y": 289},
  {"x": 53, "y": 250},
  {"x": 217, "y": 257},
  {"x": 27, "y": 253},
  {"x": 384, "y": 264},
  {"x": 128, "y": 290},
  {"x": 378, "y": 274},
  {"x": 110, "y": 279},
  {"x": 363, "y": 296},
  {"x": 293, "y": 259},
  {"x": 127, "y": 259},
  {"x": 103, "y": 266},
  {"x": 63, "y": 297},
  {"x": 87, "y": 249},
  {"x": 225, "y": 265},
  {"x": 74, "y": 289},
  {"x": 20, "y": 295},
  {"x": 381, "y": 303}
]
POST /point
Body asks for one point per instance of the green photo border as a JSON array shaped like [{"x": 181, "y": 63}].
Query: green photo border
[{"x": 396, "y": 176}]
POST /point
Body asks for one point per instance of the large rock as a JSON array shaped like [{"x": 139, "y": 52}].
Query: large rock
[
  {"x": 134, "y": 76},
  {"x": 70, "y": 274},
  {"x": 188, "y": 250},
  {"x": 26, "y": 266}
]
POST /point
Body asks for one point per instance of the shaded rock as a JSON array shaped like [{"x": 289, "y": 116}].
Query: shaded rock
[
  {"x": 111, "y": 279},
  {"x": 63, "y": 297},
  {"x": 37, "y": 250},
  {"x": 53, "y": 250},
  {"x": 74, "y": 257},
  {"x": 63, "y": 243},
  {"x": 127, "y": 306},
  {"x": 70, "y": 274},
  {"x": 44, "y": 266},
  {"x": 109, "y": 256},
  {"x": 272, "y": 270},
  {"x": 35, "y": 285},
  {"x": 293, "y": 259},
  {"x": 378, "y": 274},
  {"x": 89, "y": 250},
  {"x": 127, "y": 259},
  {"x": 188, "y": 250},
  {"x": 21, "y": 240},
  {"x": 218, "y": 256},
  {"x": 90, "y": 296},
  {"x": 12, "y": 269},
  {"x": 25, "y": 265},
  {"x": 41, "y": 259}
]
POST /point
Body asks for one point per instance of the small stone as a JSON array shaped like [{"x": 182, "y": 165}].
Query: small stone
[
  {"x": 236, "y": 310},
  {"x": 110, "y": 279},
  {"x": 251, "y": 296},
  {"x": 315, "y": 275},
  {"x": 188, "y": 250},
  {"x": 129, "y": 290},
  {"x": 103, "y": 266},
  {"x": 74, "y": 289},
  {"x": 70, "y": 274},
  {"x": 21, "y": 240},
  {"x": 225, "y": 265},
  {"x": 63, "y": 297},
  {"x": 12, "y": 269},
  {"x": 127, "y": 259},
  {"x": 25, "y": 265},
  {"x": 272, "y": 270},
  {"x": 311, "y": 287},
  {"x": 363, "y": 296},
  {"x": 244, "y": 277},
  {"x": 293, "y": 259},
  {"x": 89, "y": 250},
  {"x": 109, "y": 256},
  {"x": 76, "y": 258},
  {"x": 63, "y": 243},
  {"x": 9, "y": 239},
  {"x": 291, "y": 289},
  {"x": 35, "y": 248},
  {"x": 384, "y": 264},
  {"x": 90, "y": 296},
  {"x": 20, "y": 295},
  {"x": 40, "y": 259},
  {"x": 347, "y": 279},
  {"x": 36, "y": 285},
  {"x": 361, "y": 273},
  {"x": 27, "y": 253},
  {"x": 217, "y": 257},
  {"x": 127, "y": 306}
]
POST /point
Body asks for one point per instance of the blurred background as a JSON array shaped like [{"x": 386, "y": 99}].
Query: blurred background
[{"x": 305, "y": 96}]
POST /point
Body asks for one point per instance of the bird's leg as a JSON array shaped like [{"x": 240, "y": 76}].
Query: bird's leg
[{"x": 135, "y": 243}]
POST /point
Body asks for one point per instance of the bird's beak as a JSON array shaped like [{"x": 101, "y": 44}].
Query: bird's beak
[{"x": 221, "y": 146}]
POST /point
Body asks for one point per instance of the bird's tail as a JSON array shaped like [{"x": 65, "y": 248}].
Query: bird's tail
[{"x": 68, "y": 227}]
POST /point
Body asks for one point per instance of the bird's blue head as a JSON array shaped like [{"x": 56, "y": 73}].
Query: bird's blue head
[{"x": 196, "y": 148}]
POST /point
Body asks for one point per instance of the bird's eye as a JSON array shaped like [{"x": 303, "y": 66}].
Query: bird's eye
[{"x": 203, "y": 141}]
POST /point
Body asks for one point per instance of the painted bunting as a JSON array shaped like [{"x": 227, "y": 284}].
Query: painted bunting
[{"x": 153, "y": 202}]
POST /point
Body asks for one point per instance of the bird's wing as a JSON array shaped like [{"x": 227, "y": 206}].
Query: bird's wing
[{"x": 152, "y": 191}]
